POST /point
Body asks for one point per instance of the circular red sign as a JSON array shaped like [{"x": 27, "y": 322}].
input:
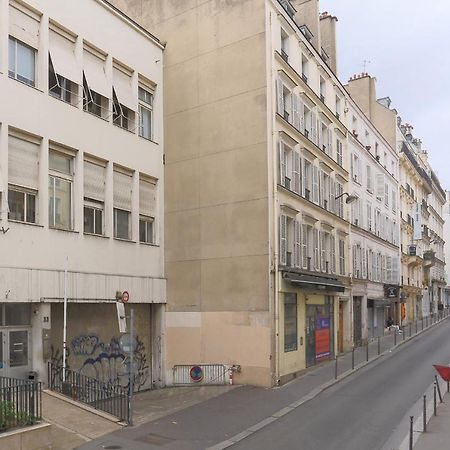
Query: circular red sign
[
  {"x": 125, "y": 296},
  {"x": 196, "y": 373}
]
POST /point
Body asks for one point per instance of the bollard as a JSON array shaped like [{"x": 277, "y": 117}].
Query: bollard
[
  {"x": 395, "y": 337},
  {"x": 426, "y": 322},
  {"x": 403, "y": 332},
  {"x": 435, "y": 403},
  {"x": 438, "y": 388},
  {"x": 416, "y": 326},
  {"x": 410, "y": 329},
  {"x": 411, "y": 440},
  {"x": 424, "y": 413},
  {"x": 422, "y": 323},
  {"x": 367, "y": 350},
  {"x": 336, "y": 368},
  {"x": 353, "y": 358},
  {"x": 378, "y": 345}
]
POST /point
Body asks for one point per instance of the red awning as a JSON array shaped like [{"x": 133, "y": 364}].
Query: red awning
[{"x": 443, "y": 371}]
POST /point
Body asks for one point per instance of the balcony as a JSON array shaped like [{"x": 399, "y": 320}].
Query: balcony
[
  {"x": 429, "y": 258},
  {"x": 413, "y": 256}
]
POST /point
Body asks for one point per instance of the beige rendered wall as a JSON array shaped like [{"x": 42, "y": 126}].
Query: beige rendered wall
[{"x": 216, "y": 181}]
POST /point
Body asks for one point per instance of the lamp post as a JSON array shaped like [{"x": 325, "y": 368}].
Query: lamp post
[{"x": 350, "y": 198}]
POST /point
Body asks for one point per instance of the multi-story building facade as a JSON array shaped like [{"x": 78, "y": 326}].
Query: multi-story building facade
[
  {"x": 374, "y": 219},
  {"x": 81, "y": 169},
  {"x": 446, "y": 217}
]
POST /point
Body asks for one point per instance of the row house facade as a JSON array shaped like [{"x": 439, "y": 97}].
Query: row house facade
[{"x": 81, "y": 191}]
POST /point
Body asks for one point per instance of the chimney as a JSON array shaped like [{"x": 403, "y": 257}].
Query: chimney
[
  {"x": 362, "y": 88},
  {"x": 328, "y": 38},
  {"x": 308, "y": 14}
]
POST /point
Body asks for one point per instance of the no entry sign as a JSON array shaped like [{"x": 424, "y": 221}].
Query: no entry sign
[{"x": 125, "y": 296}]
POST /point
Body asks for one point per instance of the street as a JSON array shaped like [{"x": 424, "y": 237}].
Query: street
[{"x": 357, "y": 413}]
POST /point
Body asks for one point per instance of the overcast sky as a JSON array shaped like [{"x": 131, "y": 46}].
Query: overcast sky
[{"x": 407, "y": 42}]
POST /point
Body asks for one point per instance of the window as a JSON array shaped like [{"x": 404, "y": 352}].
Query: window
[
  {"x": 322, "y": 89},
  {"x": 147, "y": 210},
  {"x": 94, "y": 102},
  {"x": 341, "y": 257},
  {"x": 338, "y": 106},
  {"x": 355, "y": 168},
  {"x": 22, "y": 205},
  {"x": 123, "y": 117},
  {"x": 94, "y": 197},
  {"x": 60, "y": 191},
  {"x": 60, "y": 87},
  {"x": 145, "y": 113},
  {"x": 284, "y": 45},
  {"x": 290, "y": 322},
  {"x": 122, "y": 204},
  {"x": 22, "y": 62},
  {"x": 339, "y": 154},
  {"x": 307, "y": 179},
  {"x": 305, "y": 73},
  {"x": 340, "y": 200},
  {"x": 369, "y": 179}
]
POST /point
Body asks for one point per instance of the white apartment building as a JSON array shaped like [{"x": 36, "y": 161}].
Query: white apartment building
[
  {"x": 81, "y": 185},
  {"x": 374, "y": 221},
  {"x": 446, "y": 217}
]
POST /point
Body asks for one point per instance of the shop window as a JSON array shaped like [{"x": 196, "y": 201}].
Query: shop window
[
  {"x": 17, "y": 314},
  {"x": 290, "y": 322}
]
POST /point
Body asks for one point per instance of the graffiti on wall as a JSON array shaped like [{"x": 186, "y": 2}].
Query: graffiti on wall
[{"x": 106, "y": 362}]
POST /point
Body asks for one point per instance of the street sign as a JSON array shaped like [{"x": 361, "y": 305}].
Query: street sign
[
  {"x": 196, "y": 374},
  {"x": 121, "y": 317},
  {"x": 125, "y": 296},
  {"x": 126, "y": 344}
]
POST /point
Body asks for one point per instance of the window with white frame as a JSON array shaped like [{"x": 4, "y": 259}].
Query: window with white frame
[
  {"x": 369, "y": 178},
  {"x": 284, "y": 45},
  {"x": 355, "y": 168},
  {"x": 369, "y": 216},
  {"x": 60, "y": 87},
  {"x": 145, "y": 112},
  {"x": 147, "y": 210},
  {"x": 307, "y": 179},
  {"x": 341, "y": 257},
  {"x": 322, "y": 89},
  {"x": 386, "y": 195},
  {"x": 23, "y": 178},
  {"x": 124, "y": 97},
  {"x": 286, "y": 165},
  {"x": 306, "y": 249},
  {"x": 339, "y": 152},
  {"x": 122, "y": 187},
  {"x": 60, "y": 190},
  {"x": 305, "y": 67},
  {"x": 123, "y": 117},
  {"x": 94, "y": 196},
  {"x": 338, "y": 106},
  {"x": 340, "y": 200},
  {"x": 22, "y": 61},
  {"x": 290, "y": 322}
]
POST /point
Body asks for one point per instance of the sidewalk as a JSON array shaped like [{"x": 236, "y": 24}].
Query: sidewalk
[{"x": 226, "y": 419}]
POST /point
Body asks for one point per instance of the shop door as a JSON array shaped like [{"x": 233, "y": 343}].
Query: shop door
[
  {"x": 357, "y": 334},
  {"x": 14, "y": 353},
  {"x": 310, "y": 336}
]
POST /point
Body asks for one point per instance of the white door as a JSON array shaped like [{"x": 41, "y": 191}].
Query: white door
[{"x": 16, "y": 354}]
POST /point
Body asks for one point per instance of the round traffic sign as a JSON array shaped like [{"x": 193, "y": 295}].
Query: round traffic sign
[
  {"x": 126, "y": 344},
  {"x": 125, "y": 296},
  {"x": 196, "y": 373}
]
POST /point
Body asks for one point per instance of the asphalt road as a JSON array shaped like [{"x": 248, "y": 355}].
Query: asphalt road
[{"x": 361, "y": 412}]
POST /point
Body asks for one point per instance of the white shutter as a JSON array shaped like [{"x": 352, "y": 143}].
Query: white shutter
[
  {"x": 321, "y": 187},
  {"x": 323, "y": 248},
  {"x": 314, "y": 130},
  {"x": 352, "y": 169},
  {"x": 380, "y": 186},
  {"x": 24, "y": 25},
  {"x": 147, "y": 198},
  {"x": 305, "y": 252},
  {"x": 23, "y": 162},
  {"x": 355, "y": 264},
  {"x": 332, "y": 254},
  {"x": 123, "y": 88},
  {"x": 122, "y": 191},
  {"x": 316, "y": 249},
  {"x": 319, "y": 135},
  {"x": 62, "y": 51},
  {"x": 282, "y": 163},
  {"x": 296, "y": 172},
  {"x": 315, "y": 187},
  {"x": 303, "y": 167},
  {"x": 364, "y": 262},
  {"x": 333, "y": 196},
  {"x": 94, "y": 181},
  {"x": 94, "y": 70},
  {"x": 296, "y": 117},
  {"x": 283, "y": 240},
  {"x": 280, "y": 97},
  {"x": 297, "y": 244},
  {"x": 301, "y": 114},
  {"x": 395, "y": 272},
  {"x": 330, "y": 142},
  {"x": 389, "y": 269}
]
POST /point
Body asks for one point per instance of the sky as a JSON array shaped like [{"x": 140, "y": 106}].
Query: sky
[{"x": 407, "y": 44}]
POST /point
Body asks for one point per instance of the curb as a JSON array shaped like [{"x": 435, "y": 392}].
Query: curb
[{"x": 314, "y": 393}]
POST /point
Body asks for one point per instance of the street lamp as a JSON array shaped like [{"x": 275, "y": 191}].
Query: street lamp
[{"x": 349, "y": 199}]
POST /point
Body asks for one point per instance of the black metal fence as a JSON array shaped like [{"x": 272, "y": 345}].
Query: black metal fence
[
  {"x": 20, "y": 403},
  {"x": 112, "y": 399}
]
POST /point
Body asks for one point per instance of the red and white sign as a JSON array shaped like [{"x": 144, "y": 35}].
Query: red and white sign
[{"x": 125, "y": 296}]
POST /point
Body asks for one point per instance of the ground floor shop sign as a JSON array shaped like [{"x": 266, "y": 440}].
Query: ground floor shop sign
[{"x": 322, "y": 337}]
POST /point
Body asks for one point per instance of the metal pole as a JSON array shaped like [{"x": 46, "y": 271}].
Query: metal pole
[
  {"x": 438, "y": 388},
  {"x": 435, "y": 402},
  {"x": 336, "y": 368},
  {"x": 411, "y": 419},
  {"x": 403, "y": 332},
  {"x": 367, "y": 350},
  {"x": 131, "y": 367},
  {"x": 422, "y": 323},
  {"x": 353, "y": 358},
  {"x": 416, "y": 326},
  {"x": 410, "y": 329},
  {"x": 395, "y": 337},
  {"x": 65, "y": 320},
  {"x": 378, "y": 345},
  {"x": 424, "y": 413}
]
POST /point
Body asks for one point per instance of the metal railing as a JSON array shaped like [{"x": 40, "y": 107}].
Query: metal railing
[
  {"x": 20, "y": 403},
  {"x": 107, "y": 397}
]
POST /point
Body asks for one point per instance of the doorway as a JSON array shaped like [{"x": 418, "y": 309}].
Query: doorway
[{"x": 15, "y": 355}]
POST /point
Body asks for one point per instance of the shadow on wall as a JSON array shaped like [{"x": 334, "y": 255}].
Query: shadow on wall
[{"x": 105, "y": 361}]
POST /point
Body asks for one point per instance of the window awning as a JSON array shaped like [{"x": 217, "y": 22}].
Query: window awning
[
  {"x": 62, "y": 52},
  {"x": 124, "y": 90},
  {"x": 94, "y": 70},
  {"x": 314, "y": 282}
]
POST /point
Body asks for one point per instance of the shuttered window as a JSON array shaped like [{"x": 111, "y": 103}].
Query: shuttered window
[
  {"x": 147, "y": 198},
  {"x": 122, "y": 190},
  {"x": 62, "y": 51},
  {"x": 94, "y": 70},
  {"x": 94, "y": 181},
  {"x": 123, "y": 87},
  {"x": 23, "y": 160},
  {"x": 24, "y": 24}
]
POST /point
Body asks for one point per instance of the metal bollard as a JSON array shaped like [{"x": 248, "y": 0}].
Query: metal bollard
[
  {"x": 410, "y": 329},
  {"x": 353, "y": 358},
  {"x": 424, "y": 413},
  {"x": 435, "y": 402},
  {"x": 416, "y": 326},
  {"x": 336, "y": 368},
  {"x": 411, "y": 440},
  {"x": 403, "y": 332},
  {"x": 438, "y": 388},
  {"x": 367, "y": 350},
  {"x": 395, "y": 337},
  {"x": 378, "y": 345}
]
